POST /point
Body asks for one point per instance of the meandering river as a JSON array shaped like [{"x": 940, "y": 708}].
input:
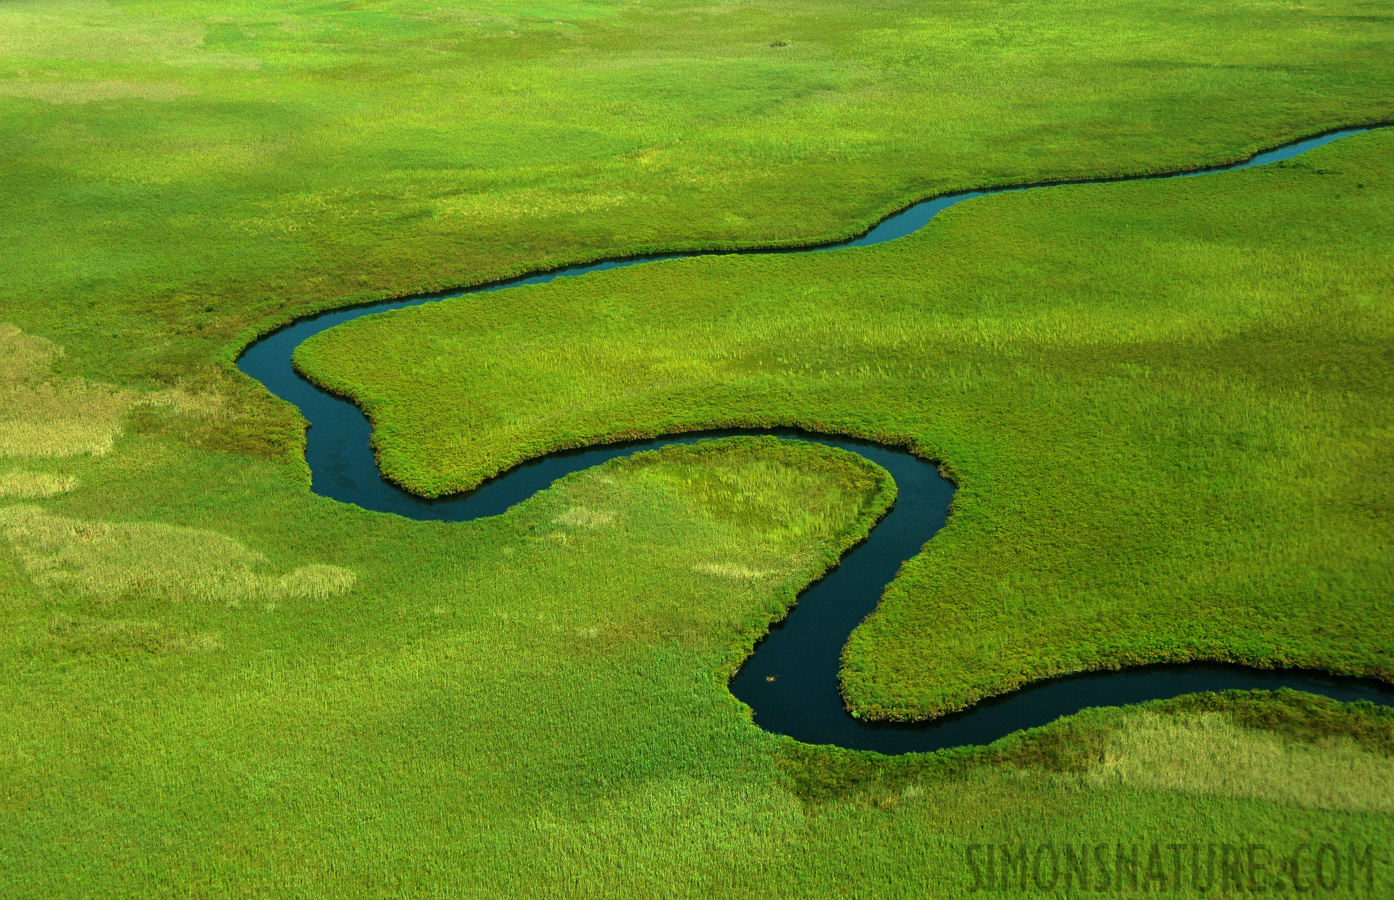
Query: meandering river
[{"x": 790, "y": 682}]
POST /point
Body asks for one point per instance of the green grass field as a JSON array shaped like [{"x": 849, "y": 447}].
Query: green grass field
[{"x": 1166, "y": 405}]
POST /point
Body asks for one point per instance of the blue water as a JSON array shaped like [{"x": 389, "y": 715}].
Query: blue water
[{"x": 790, "y": 682}]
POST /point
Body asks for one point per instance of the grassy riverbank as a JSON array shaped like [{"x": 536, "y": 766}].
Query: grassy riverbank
[
  {"x": 213, "y": 683},
  {"x": 1170, "y": 447}
]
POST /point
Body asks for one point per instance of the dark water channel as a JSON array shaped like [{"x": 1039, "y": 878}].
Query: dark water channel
[{"x": 791, "y": 680}]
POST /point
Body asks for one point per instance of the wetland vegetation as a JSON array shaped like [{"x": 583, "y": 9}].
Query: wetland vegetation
[
  {"x": 1166, "y": 405},
  {"x": 1145, "y": 436}
]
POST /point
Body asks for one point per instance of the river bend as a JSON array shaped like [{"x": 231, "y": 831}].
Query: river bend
[{"x": 790, "y": 682}]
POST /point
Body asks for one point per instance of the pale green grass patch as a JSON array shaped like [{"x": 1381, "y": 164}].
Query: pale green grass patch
[
  {"x": 24, "y": 357},
  {"x": 44, "y": 31},
  {"x": 581, "y": 517},
  {"x": 317, "y": 582},
  {"x": 34, "y": 485},
  {"x": 731, "y": 570},
  {"x": 41, "y": 416},
  {"x": 67, "y": 419},
  {"x": 775, "y": 496},
  {"x": 88, "y": 91},
  {"x": 110, "y": 561},
  {"x": 205, "y": 405},
  {"x": 1209, "y": 754}
]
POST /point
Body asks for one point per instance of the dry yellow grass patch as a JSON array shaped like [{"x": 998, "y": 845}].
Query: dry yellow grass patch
[
  {"x": 34, "y": 484},
  {"x": 730, "y": 570},
  {"x": 112, "y": 560},
  {"x": 41, "y": 417},
  {"x": 186, "y": 403},
  {"x": 23, "y": 357},
  {"x": 1209, "y": 754},
  {"x": 66, "y": 419},
  {"x": 87, "y": 91},
  {"x": 580, "y": 517},
  {"x": 316, "y": 582}
]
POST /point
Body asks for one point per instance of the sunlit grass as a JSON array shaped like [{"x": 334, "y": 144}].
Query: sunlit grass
[
  {"x": 180, "y": 174},
  {"x": 33, "y": 485},
  {"x": 111, "y": 562},
  {"x": 488, "y": 682},
  {"x": 45, "y": 415},
  {"x": 1209, "y": 754}
]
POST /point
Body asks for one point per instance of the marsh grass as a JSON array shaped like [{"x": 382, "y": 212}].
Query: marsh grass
[
  {"x": 1167, "y": 447},
  {"x": 761, "y": 493},
  {"x": 122, "y": 636},
  {"x": 487, "y": 686},
  {"x": 1256, "y": 733},
  {"x": 738, "y": 516},
  {"x": 534, "y": 705},
  {"x": 44, "y": 415},
  {"x": 1210, "y": 754},
  {"x": 183, "y": 176},
  {"x": 114, "y": 562},
  {"x": 34, "y": 485}
]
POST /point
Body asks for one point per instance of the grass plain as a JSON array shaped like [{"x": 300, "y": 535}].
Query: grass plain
[{"x": 535, "y": 704}]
